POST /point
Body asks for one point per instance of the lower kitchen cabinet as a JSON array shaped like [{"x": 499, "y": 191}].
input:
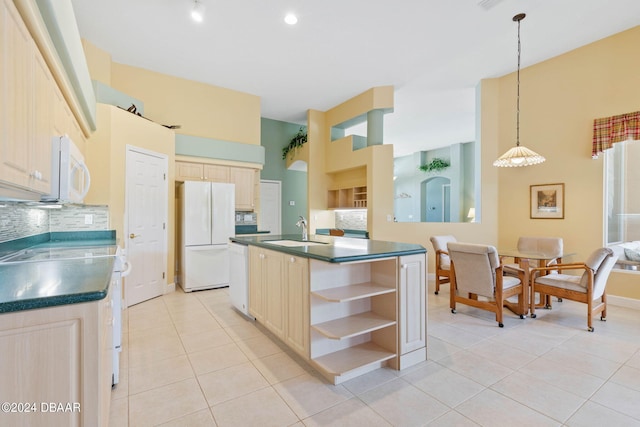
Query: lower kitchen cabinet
[
  {"x": 297, "y": 304},
  {"x": 58, "y": 356},
  {"x": 279, "y": 295},
  {"x": 266, "y": 295},
  {"x": 412, "y": 295}
]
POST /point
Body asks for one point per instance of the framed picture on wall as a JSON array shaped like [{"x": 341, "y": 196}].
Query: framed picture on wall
[{"x": 547, "y": 201}]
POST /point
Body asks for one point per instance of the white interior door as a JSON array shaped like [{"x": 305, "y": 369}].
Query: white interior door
[
  {"x": 145, "y": 229},
  {"x": 270, "y": 206}
]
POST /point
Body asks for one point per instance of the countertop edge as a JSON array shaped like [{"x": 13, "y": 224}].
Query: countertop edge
[
  {"x": 296, "y": 251},
  {"x": 56, "y": 301}
]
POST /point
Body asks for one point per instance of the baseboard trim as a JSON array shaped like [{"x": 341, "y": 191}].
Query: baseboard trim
[
  {"x": 623, "y": 302},
  {"x": 171, "y": 287}
]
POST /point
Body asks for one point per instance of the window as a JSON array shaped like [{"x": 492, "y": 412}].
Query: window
[{"x": 622, "y": 198}]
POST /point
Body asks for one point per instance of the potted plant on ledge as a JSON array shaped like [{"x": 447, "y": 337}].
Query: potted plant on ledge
[
  {"x": 297, "y": 141},
  {"x": 435, "y": 165}
]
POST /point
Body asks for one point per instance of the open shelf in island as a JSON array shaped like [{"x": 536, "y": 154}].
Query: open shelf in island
[
  {"x": 351, "y": 326},
  {"x": 343, "y": 362}
]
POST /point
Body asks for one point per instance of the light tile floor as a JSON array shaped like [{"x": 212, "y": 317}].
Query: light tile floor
[{"x": 191, "y": 360}]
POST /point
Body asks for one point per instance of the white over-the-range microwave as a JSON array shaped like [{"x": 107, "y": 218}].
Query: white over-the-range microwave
[{"x": 70, "y": 178}]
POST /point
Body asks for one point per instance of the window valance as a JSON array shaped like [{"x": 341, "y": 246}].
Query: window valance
[{"x": 609, "y": 130}]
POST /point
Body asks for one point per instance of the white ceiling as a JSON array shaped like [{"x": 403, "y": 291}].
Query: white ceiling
[{"x": 433, "y": 52}]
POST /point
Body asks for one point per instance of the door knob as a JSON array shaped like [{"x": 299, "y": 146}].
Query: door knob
[{"x": 133, "y": 236}]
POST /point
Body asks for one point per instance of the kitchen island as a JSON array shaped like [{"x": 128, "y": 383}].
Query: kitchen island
[{"x": 345, "y": 305}]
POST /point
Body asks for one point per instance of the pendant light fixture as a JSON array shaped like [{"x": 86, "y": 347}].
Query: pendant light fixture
[{"x": 518, "y": 155}]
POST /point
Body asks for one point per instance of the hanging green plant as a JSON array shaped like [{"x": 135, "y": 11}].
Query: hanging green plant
[
  {"x": 297, "y": 141},
  {"x": 435, "y": 165}
]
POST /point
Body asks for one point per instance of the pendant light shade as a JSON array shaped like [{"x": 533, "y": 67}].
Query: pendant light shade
[{"x": 519, "y": 155}]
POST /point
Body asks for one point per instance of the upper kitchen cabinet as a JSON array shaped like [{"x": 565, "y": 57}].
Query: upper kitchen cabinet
[
  {"x": 16, "y": 77},
  {"x": 244, "y": 179},
  {"x": 187, "y": 171}
]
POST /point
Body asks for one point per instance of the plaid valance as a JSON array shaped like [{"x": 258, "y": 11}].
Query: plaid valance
[{"x": 609, "y": 130}]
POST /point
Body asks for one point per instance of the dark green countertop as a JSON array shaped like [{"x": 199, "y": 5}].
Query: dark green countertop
[
  {"x": 335, "y": 249},
  {"x": 36, "y": 283}
]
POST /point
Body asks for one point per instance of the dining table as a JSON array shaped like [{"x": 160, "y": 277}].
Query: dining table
[{"x": 527, "y": 260}]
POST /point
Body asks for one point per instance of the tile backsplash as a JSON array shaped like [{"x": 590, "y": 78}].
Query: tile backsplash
[
  {"x": 351, "y": 219},
  {"x": 18, "y": 220},
  {"x": 246, "y": 218}
]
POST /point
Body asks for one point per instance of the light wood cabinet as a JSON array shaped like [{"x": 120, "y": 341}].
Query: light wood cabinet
[
  {"x": 40, "y": 147},
  {"x": 187, "y": 171},
  {"x": 266, "y": 296},
  {"x": 26, "y": 107},
  {"x": 62, "y": 355},
  {"x": 256, "y": 284},
  {"x": 279, "y": 295},
  {"x": 16, "y": 78},
  {"x": 274, "y": 305},
  {"x": 297, "y": 304},
  {"x": 216, "y": 173},
  {"x": 412, "y": 297},
  {"x": 244, "y": 179}
]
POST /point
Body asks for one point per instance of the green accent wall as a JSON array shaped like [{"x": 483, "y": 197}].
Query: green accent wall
[
  {"x": 274, "y": 135},
  {"x": 187, "y": 145},
  {"x": 108, "y": 95}
]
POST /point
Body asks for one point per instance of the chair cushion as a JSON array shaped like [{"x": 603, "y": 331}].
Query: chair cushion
[
  {"x": 509, "y": 282},
  {"x": 440, "y": 244},
  {"x": 564, "y": 281},
  {"x": 596, "y": 258}
]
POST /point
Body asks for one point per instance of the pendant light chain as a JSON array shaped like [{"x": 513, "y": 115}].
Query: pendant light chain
[
  {"x": 518, "y": 92},
  {"x": 519, "y": 155}
]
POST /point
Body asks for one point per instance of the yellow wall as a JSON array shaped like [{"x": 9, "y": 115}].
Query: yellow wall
[
  {"x": 374, "y": 164},
  {"x": 200, "y": 109},
  {"x": 106, "y": 158},
  {"x": 98, "y": 62},
  {"x": 559, "y": 100}
]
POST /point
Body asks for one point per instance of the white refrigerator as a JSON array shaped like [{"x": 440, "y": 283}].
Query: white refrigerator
[{"x": 207, "y": 211}]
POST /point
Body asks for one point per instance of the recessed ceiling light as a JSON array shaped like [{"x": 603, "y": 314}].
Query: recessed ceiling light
[
  {"x": 291, "y": 19},
  {"x": 197, "y": 13}
]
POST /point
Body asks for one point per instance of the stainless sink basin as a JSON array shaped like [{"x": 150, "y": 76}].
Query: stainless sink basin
[{"x": 293, "y": 243}]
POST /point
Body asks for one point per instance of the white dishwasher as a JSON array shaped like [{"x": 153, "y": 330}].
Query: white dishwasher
[{"x": 239, "y": 277}]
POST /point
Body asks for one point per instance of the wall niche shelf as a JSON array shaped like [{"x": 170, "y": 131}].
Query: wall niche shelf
[{"x": 349, "y": 197}]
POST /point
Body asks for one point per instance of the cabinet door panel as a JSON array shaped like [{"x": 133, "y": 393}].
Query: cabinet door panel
[
  {"x": 186, "y": 171},
  {"x": 40, "y": 149},
  {"x": 244, "y": 179},
  {"x": 413, "y": 303},
  {"x": 274, "y": 292},
  {"x": 297, "y": 294},
  {"x": 216, "y": 173},
  {"x": 256, "y": 292},
  {"x": 16, "y": 80}
]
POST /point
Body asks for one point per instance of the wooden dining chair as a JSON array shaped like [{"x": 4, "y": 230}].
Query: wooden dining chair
[
  {"x": 336, "y": 232},
  {"x": 588, "y": 288},
  {"x": 443, "y": 262},
  {"x": 477, "y": 280}
]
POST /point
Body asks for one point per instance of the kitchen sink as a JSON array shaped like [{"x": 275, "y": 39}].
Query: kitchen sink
[{"x": 293, "y": 243}]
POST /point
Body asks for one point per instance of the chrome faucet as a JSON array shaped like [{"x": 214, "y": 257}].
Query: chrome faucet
[{"x": 302, "y": 222}]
